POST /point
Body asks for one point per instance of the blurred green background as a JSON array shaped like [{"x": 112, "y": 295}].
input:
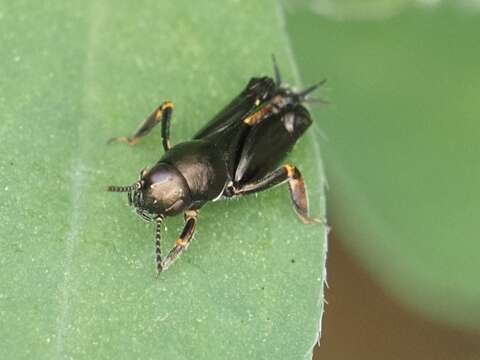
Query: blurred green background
[{"x": 401, "y": 145}]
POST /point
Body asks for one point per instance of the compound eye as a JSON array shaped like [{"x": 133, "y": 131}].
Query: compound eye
[{"x": 143, "y": 173}]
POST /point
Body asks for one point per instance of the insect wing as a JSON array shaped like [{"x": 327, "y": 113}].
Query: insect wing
[
  {"x": 270, "y": 141},
  {"x": 258, "y": 89}
]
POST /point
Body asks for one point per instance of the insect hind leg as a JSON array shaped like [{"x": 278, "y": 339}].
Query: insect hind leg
[{"x": 298, "y": 192}]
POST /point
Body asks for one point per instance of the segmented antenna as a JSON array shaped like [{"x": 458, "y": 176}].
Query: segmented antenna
[
  {"x": 158, "y": 251},
  {"x": 129, "y": 188}
]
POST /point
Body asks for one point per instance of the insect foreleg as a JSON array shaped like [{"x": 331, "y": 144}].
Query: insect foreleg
[
  {"x": 184, "y": 239},
  {"x": 162, "y": 114}
]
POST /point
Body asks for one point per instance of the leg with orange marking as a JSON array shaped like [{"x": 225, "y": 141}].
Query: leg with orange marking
[
  {"x": 296, "y": 185},
  {"x": 184, "y": 240},
  {"x": 162, "y": 114},
  {"x": 259, "y": 113}
]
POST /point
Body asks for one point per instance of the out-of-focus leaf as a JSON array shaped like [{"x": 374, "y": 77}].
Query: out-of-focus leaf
[{"x": 403, "y": 149}]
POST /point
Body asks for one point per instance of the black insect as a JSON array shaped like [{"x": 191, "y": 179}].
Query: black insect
[{"x": 237, "y": 153}]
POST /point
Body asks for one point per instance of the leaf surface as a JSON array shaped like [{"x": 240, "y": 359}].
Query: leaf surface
[{"x": 77, "y": 269}]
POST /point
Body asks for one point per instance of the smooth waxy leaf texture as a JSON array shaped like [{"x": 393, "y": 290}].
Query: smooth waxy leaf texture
[{"x": 77, "y": 272}]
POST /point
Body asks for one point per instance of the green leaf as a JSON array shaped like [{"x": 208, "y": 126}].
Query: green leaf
[
  {"x": 77, "y": 266},
  {"x": 403, "y": 149}
]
